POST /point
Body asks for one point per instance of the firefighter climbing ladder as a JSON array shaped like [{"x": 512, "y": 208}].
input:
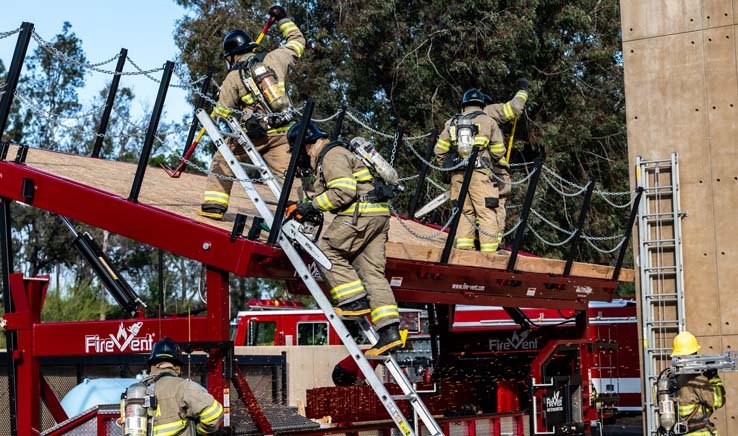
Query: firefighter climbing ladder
[
  {"x": 660, "y": 271},
  {"x": 291, "y": 233}
]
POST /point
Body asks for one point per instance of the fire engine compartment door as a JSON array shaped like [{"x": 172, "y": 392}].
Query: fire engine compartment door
[{"x": 562, "y": 402}]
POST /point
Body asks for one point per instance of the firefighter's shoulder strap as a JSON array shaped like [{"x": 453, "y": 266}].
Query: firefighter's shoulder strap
[
  {"x": 328, "y": 147},
  {"x": 248, "y": 63},
  {"x": 470, "y": 115}
]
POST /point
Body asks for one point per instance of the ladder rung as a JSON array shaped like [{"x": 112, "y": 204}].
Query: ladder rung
[
  {"x": 404, "y": 397},
  {"x": 669, "y": 294},
  {"x": 660, "y": 268},
  {"x": 660, "y": 247},
  {"x": 662, "y": 322},
  {"x": 649, "y": 190},
  {"x": 658, "y": 241}
]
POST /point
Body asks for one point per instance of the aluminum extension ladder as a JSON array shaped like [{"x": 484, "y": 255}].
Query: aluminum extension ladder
[
  {"x": 661, "y": 274},
  {"x": 291, "y": 235}
]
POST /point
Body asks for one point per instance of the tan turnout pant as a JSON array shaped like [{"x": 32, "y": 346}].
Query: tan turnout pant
[
  {"x": 274, "y": 148},
  {"x": 491, "y": 221},
  {"x": 358, "y": 256}
]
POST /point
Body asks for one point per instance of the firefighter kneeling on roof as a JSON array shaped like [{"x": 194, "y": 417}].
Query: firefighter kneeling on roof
[
  {"x": 163, "y": 404},
  {"x": 699, "y": 394},
  {"x": 354, "y": 241}
]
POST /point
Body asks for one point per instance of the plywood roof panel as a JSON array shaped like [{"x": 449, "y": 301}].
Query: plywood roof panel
[{"x": 182, "y": 196}]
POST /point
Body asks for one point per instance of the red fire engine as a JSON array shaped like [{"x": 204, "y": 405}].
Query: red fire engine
[{"x": 612, "y": 329}]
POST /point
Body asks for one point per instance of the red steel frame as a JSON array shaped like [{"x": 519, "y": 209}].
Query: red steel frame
[{"x": 420, "y": 282}]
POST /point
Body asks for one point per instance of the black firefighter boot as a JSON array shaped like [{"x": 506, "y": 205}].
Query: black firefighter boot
[
  {"x": 389, "y": 339},
  {"x": 356, "y": 309}
]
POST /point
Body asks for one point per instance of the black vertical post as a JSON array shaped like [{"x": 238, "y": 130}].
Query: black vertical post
[
  {"x": 578, "y": 230},
  {"x": 628, "y": 231},
  {"x": 423, "y": 174},
  {"x": 339, "y": 124},
  {"x": 6, "y": 250},
  {"x": 524, "y": 214},
  {"x": 460, "y": 205},
  {"x": 103, "y": 127},
  {"x": 16, "y": 65},
  {"x": 200, "y": 103},
  {"x": 143, "y": 161},
  {"x": 297, "y": 149}
]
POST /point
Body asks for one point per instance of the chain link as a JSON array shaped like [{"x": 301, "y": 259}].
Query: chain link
[
  {"x": 433, "y": 235},
  {"x": 365, "y": 126},
  {"x": 8, "y": 34},
  {"x": 547, "y": 242},
  {"x": 542, "y": 218},
  {"x": 617, "y": 206},
  {"x": 491, "y": 235},
  {"x": 394, "y": 149},
  {"x": 601, "y": 250},
  {"x": 430, "y": 165}
]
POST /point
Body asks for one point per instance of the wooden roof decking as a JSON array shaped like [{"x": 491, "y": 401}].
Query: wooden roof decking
[{"x": 182, "y": 196}]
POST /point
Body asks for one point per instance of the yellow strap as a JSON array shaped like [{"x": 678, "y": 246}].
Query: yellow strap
[{"x": 510, "y": 144}]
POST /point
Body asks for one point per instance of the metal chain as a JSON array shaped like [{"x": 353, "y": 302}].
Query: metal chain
[
  {"x": 394, "y": 149},
  {"x": 50, "y": 48},
  {"x": 547, "y": 242},
  {"x": 38, "y": 110},
  {"x": 436, "y": 184},
  {"x": 146, "y": 73},
  {"x": 365, "y": 126},
  {"x": 4, "y": 35},
  {"x": 602, "y": 238},
  {"x": 433, "y": 235},
  {"x": 437, "y": 168},
  {"x": 542, "y": 218},
  {"x": 617, "y": 247},
  {"x": 325, "y": 120},
  {"x": 617, "y": 206},
  {"x": 405, "y": 179},
  {"x": 559, "y": 188},
  {"x": 491, "y": 235}
]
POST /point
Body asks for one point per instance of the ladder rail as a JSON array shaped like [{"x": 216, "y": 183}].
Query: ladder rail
[{"x": 305, "y": 274}]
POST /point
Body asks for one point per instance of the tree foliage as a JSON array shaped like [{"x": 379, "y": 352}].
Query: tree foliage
[{"x": 408, "y": 63}]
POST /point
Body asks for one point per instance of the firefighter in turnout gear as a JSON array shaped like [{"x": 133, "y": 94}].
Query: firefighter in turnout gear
[
  {"x": 355, "y": 240},
  {"x": 474, "y": 128},
  {"x": 254, "y": 85},
  {"x": 182, "y": 406},
  {"x": 503, "y": 113},
  {"x": 699, "y": 394}
]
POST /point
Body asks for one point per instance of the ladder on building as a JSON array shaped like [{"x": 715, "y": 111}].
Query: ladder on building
[
  {"x": 661, "y": 272},
  {"x": 291, "y": 235}
]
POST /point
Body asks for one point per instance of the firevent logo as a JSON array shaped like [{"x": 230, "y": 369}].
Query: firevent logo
[{"x": 126, "y": 339}]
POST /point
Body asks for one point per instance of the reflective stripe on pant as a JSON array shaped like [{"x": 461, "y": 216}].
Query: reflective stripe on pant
[
  {"x": 475, "y": 208},
  {"x": 358, "y": 256},
  {"x": 275, "y": 149}
]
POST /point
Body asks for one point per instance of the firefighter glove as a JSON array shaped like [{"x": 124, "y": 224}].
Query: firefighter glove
[
  {"x": 306, "y": 208},
  {"x": 278, "y": 12},
  {"x": 710, "y": 374},
  {"x": 522, "y": 85}
]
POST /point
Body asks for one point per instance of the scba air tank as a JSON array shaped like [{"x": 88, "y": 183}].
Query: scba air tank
[
  {"x": 369, "y": 154},
  {"x": 135, "y": 413},
  {"x": 273, "y": 91}
]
